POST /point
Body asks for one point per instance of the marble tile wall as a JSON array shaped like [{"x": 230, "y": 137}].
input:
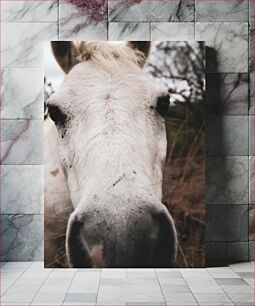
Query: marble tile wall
[{"x": 227, "y": 27}]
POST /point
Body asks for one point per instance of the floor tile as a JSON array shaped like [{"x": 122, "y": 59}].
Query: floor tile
[
  {"x": 113, "y": 273},
  {"x": 195, "y": 273},
  {"x": 49, "y": 299},
  {"x": 246, "y": 274},
  {"x": 81, "y": 297},
  {"x": 237, "y": 289},
  {"x": 230, "y": 281},
  {"x": 180, "y": 299},
  {"x": 142, "y": 273},
  {"x": 250, "y": 281},
  {"x": 210, "y": 289},
  {"x": 213, "y": 299},
  {"x": 242, "y": 299},
  {"x": 170, "y": 289},
  {"x": 222, "y": 272},
  {"x": 243, "y": 267}
]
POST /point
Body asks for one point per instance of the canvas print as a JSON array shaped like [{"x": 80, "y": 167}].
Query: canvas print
[{"x": 124, "y": 154}]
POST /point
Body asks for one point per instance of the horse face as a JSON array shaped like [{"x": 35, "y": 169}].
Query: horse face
[{"x": 112, "y": 144}]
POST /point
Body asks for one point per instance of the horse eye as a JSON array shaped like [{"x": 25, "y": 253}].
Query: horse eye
[
  {"x": 57, "y": 115},
  {"x": 163, "y": 105}
]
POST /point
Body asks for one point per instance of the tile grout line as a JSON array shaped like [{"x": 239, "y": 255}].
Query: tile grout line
[
  {"x": 98, "y": 286},
  {"x": 40, "y": 287},
  {"x": 69, "y": 286},
  {"x": 223, "y": 288},
  {"x": 15, "y": 280},
  {"x": 189, "y": 288},
  {"x": 160, "y": 286}
]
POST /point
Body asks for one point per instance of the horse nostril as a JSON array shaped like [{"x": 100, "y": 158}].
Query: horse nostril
[{"x": 77, "y": 250}]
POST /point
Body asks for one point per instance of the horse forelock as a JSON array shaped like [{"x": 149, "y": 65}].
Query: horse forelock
[{"x": 102, "y": 53}]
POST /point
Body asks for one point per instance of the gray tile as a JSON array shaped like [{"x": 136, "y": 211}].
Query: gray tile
[
  {"x": 181, "y": 31},
  {"x": 147, "y": 303},
  {"x": 246, "y": 274},
  {"x": 251, "y": 222},
  {"x": 17, "y": 297},
  {"x": 251, "y": 68},
  {"x": 250, "y": 282},
  {"x": 113, "y": 295},
  {"x": 251, "y": 250},
  {"x": 242, "y": 299},
  {"x": 151, "y": 10},
  {"x": 180, "y": 299},
  {"x": 45, "y": 298},
  {"x": 213, "y": 299},
  {"x": 227, "y": 180},
  {"x": 25, "y": 48},
  {"x": 22, "y": 142},
  {"x": 242, "y": 267},
  {"x": 251, "y": 93},
  {"x": 30, "y": 11},
  {"x": 227, "y": 43},
  {"x": 128, "y": 31},
  {"x": 251, "y": 179},
  {"x": 227, "y": 223},
  {"x": 227, "y": 135},
  {"x": 238, "y": 251},
  {"x": 251, "y": 10},
  {"x": 237, "y": 288},
  {"x": 141, "y": 274},
  {"x": 234, "y": 10},
  {"x": 227, "y": 93},
  {"x": 222, "y": 272},
  {"x": 230, "y": 281},
  {"x": 22, "y": 237},
  {"x": 81, "y": 297},
  {"x": 21, "y": 192},
  {"x": 79, "y": 22},
  {"x": 216, "y": 253},
  {"x": 144, "y": 294},
  {"x": 251, "y": 135},
  {"x": 205, "y": 288},
  {"x": 167, "y": 289},
  {"x": 110, "y": 273},
  {"x": 22, "y": 93}
]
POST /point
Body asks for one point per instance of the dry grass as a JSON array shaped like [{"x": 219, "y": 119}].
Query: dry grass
[{"x": 184, "y": 182}]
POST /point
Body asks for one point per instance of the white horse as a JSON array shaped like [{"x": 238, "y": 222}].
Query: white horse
[{"x": 104, "y": 158}]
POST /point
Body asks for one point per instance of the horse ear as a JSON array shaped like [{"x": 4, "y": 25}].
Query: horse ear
[
  {"x": 65, "y": 53},
  {"x": 142, "y": 46}
]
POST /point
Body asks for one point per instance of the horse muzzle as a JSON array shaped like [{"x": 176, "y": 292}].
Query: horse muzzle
[{"x": 139, "y": 237}]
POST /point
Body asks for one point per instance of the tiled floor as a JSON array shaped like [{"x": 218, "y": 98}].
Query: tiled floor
[{"x": 28, "y": 283}]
